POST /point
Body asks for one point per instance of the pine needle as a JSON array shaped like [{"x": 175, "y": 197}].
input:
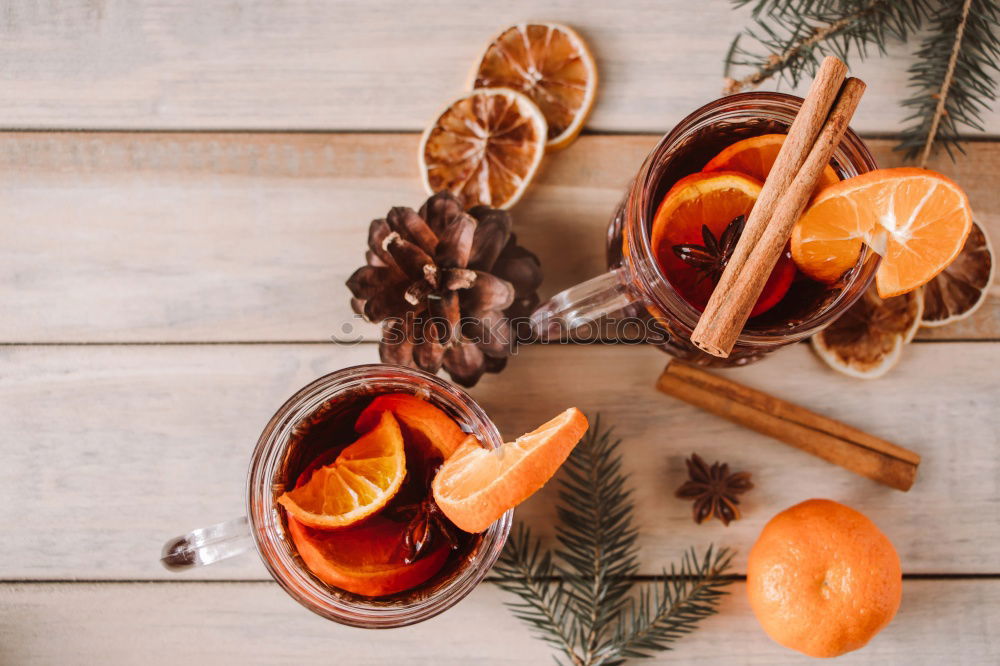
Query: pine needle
[
  {"x": 579, "y": 598},
  {"x": 953, "y": 77}
]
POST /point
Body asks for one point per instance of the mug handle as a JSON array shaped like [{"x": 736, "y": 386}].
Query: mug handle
[
  {"x": 207, "y": 545},
  {"x": 581, "y": 305}
]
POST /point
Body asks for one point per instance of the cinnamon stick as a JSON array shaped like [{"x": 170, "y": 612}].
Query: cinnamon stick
[
  {"x": 814, "y": 433},
  {"x": 720, "y": 326}
]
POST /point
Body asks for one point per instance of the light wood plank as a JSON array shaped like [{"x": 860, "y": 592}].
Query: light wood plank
[
  {"x": 113, "y": 449},
  {"x": 229, "y": 237},
  {"x": 940, "y": 622},
  {"x": 352, "y": 65}
]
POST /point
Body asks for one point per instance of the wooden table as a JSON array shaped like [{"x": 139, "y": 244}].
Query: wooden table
[{"x": 185, "y": 188}]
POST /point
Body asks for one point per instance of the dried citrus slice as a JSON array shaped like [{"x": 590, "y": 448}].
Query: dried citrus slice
[
  {"x": 476, "y": 486},
  {"x": 362, "y": 480},
  {"x": 366, "y": 559},
  {"x": 427, "y": 426},
  {"x": 916, "y": 219},
  {"x": 962, "y": 287},
  {"x": 551, "y": 64},
  {"x": 755, "y": 157},
  {"x": 868, "y": 339},
  {"x": 485, "y": 147}
]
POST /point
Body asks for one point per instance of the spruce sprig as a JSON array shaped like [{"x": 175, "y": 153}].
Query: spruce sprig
[
  {"x": 953, "y": 76},
  {"x": 579, "y": 597}
]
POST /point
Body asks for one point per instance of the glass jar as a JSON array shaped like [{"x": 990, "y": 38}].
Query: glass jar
[
  {"x": 636, "y": 288},
  {"x": 263, "y": 528}
]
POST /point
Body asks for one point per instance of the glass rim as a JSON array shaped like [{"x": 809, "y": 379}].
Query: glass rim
[
  {"x": 852, "y": 155},
  {"x": 267, "y": 528}
]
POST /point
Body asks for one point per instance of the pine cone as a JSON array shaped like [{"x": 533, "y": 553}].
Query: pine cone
[{"x": 448, "y": 287}]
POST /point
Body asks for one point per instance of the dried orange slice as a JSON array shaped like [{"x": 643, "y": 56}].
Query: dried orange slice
[
  {"x": 916, "y": 219},
  {"x": 868, "y": 339},
  {"x": 476, "y": 486},
  {"x": 362, "y": 480},
  {"x": 755, "y": 157},
  {"x": 551, "y": 64},
  {"x": 427, "y": 426},
  {"x": 366, "y": 559},
  {"x": 485, "y": 147},
  {"x": 962, "y": 287}
]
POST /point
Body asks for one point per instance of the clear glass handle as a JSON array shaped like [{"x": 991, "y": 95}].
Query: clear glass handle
[
  {"x": 580, "y": 305},
  {"x": 207, "y": 545}
]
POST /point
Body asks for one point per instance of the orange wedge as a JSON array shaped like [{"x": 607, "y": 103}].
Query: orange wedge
[
  {"x": 916, "y": 219},
  {"x": 485, "y": 147},
  {"x": 366, "y": 559},
  {"x": 710, "y": 199},
  {"x": 362, "y": 480},
  {"x": 755, "y": 157},
  {"x": 430, "y": 429},
  {"x": 551, "y": 64},
  {"x": 476, "y": 486}
]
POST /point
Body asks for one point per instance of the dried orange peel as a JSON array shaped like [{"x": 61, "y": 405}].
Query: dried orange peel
[
  {"x": 476, "y": 486},
  {"x": 918, "y": 220}
]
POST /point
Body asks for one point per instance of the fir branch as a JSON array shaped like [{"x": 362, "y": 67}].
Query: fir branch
[
  {"x": 684, "y": 598},
  {"x": 793, "y": 35},
  {"x": 527, "y": 572},
  {"x": 953, "y": 77},
  {"x": 578, "y": 601},
  {"x": 596, "y": 535}
]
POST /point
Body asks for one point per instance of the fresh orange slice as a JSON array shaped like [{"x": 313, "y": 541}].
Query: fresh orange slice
[
  {"x": 551, "y": 64},
  {"x": 916, "y": 219},
  {"x": 427, "y": 426},
  {"x": 362, "y": 480},
  {"x": 366, "y": 559},
  {"x": 476, "y": 486},
  {"x": 755, "y": 157},
  {"x": 711, "y": 200},
  {"x": 485, "y": 147}
]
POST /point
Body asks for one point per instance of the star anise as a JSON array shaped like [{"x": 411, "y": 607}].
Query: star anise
[
  {"x": 711, "y": 258},
  {"x": 426, "y": 526},
  {"x": 714, "y": 490}
]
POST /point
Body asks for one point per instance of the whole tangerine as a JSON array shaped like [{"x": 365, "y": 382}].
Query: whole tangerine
[{"x": 823, "y": 579}]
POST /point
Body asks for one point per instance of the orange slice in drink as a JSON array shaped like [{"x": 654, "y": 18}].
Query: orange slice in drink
[
  {"x": 366, "y": 559},
  {"x": 428, "y": 427},
  {"x": 551, "y": 64},
  {"x": 916, "y": 219},
  {"x": 477, "y": 486},
  {"x": 755, "y": 157},
  {"x": 362, "y": 480},
  {"x": 710, "y": 200},
  {"x": 485, "y": 147}
]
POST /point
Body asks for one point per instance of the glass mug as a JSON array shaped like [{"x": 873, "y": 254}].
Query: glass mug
[
  {"x": 635, "y": 286},
  {"x": 263, "y": 527}
]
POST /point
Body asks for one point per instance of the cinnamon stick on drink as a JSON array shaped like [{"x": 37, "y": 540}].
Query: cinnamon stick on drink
[
  {"x": 814, "y": 135},
  {"x": 814, "y": 433}
]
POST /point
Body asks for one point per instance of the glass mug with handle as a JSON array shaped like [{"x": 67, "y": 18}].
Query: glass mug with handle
[
  {"x": 273, "y": 469},
  {"x": 636, "y": 286}
]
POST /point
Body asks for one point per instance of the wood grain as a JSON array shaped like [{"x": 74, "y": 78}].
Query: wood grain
[
  {"x": 390, "y": 65},
  {"x": 111, "y": 450},
  {"x": 940, "y": 622},
  {"x": 124, "y": 237}
]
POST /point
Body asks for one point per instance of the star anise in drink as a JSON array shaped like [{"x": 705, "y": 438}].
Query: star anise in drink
[
  {"x": 714, "y": 490},
  {"x": 426, "y": 527},
  {"x": 711, "y": 258}
]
